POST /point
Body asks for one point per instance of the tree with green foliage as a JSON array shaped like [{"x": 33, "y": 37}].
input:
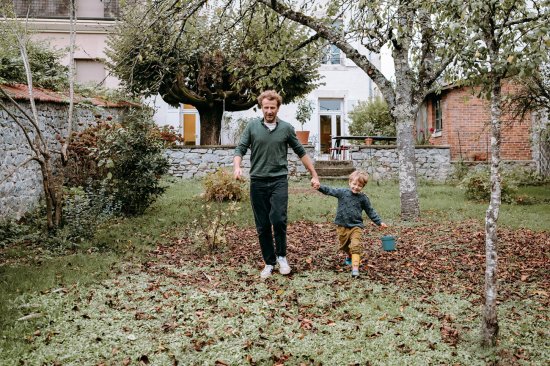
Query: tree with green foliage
[
  {"x": 371, "y": 118},
  {"x": 216, "y": 59},
  {"x": 505, "y": 38},
  {"x": 304, "y": 110}
]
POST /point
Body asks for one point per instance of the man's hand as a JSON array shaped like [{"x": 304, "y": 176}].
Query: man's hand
[
  {"x": 382, "y": 226},
  {"x": 311, "y": 169},
  {"x": 237, "y": 173},
  {"x": 315, "y": 182}
]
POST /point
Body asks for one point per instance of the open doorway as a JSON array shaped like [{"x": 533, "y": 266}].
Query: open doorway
[
  {"x": 190, "y": 123},
  {"x": 330, "y": 122}
]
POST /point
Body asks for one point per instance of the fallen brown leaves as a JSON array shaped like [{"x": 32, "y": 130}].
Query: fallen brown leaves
[{"x": 429, "y": 257}]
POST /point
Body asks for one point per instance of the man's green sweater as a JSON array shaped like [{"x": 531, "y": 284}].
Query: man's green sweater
[{"x": 268, "y": 149}]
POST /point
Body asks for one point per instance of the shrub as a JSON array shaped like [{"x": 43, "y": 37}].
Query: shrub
[
  {"x": 460, "y": 170},
  {"x": 10, "y": 231},
  {"x": 82, "y": 166},
  {"x": 133, "y": 158},
  {"x": 304, "y": 110},
  {"x": 477, "y": 186},
  {"x": 525, "y": 177},
  {"x": 209, "y": 230},
  {"x": 84, "y": 210},
  {"x": 167, "y": 135},
  {"x": 221, "y": 186},
  {"x": 123, "y": 161},
  {"x": 371, "y": 118}
]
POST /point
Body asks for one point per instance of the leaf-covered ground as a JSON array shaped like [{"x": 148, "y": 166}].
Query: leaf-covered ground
[
  {"x": 432, "y": 257},
  {"x": 419, "y": 305}
]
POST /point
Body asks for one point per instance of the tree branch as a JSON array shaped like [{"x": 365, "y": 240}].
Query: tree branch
[
  {"x": 23, "y": 129},
  {"x": 13, "y": 170},
  {"x": 29, "y": 118}
]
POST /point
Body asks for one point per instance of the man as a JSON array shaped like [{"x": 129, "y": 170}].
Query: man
[{"x": 268, "y": 139}]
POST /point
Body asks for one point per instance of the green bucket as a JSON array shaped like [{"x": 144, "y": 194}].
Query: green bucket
[{"x": 388, "y": 243}]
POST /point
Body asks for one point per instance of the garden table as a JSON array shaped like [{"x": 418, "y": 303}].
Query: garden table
[{"x": 341, "y": 152}]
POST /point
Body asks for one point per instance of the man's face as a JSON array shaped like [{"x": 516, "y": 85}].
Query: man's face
[{"x": 270, "y": 109}]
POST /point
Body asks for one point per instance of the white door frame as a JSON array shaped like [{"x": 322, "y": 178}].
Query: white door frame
[
  {"x": 333, "y": 114},
  {"x": 183, "y": 112}
]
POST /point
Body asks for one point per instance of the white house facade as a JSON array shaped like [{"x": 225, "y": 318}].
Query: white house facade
[{"x": 49, "y": 22}]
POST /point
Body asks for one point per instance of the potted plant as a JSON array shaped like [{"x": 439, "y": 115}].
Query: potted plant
[{"x": 303, "y": 114}]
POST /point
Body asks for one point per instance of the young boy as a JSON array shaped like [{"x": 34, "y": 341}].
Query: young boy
[{"x": 349, "y": 218}]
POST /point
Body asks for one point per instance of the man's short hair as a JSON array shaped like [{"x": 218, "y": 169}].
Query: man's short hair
[
  {"x": 270, "y": 95},
  {"x": 361, "y": 177}
]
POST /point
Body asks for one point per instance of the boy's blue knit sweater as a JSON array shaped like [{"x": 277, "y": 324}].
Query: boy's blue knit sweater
[{"x": 351, "y": 206}]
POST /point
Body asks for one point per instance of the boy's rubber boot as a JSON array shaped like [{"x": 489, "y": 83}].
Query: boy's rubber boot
[{"x": 355, "y": 260}]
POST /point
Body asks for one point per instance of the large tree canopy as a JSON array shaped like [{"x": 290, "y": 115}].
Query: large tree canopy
[{"x": 215, "y": 58}]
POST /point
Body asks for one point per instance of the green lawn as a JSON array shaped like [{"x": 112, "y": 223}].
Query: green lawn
[{"x": 112, "y": 302}]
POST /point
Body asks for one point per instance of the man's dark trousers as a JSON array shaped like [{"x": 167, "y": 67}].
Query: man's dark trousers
[{"x": 269, "y": 198}]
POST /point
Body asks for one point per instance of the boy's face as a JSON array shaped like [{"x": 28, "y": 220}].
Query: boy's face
[{"x": 355, "y": 186}]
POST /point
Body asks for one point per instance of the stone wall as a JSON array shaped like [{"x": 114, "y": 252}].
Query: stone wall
[
  {"x": 21, "y": 186},
  {"x": 433, "y": 163},
  {"x": 381, "y": 162},
  {"x": 197, "y": 161}
]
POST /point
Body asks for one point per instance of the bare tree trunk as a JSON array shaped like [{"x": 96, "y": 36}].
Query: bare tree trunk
[
  {"x": 53, "y": 200},
  {"x": 490, "y": 321},
  {"x": 211, "y": 123},
  {"x": 410, "y": 207},
  {"x": 405, "y": 116},
  {"x": 34, "y": 129},
  {"x": 541, "y": 141}
]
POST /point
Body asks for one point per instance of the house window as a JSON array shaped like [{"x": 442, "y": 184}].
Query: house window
[
  {"x": 89, "y": 9},
  {"x": 90, "y": 71},
  {"x": 98, "y": 9},
  {"x": 326, "y": 105},
  {"x": 437, "y": 114},
  {"x": 331, "y": 55}
]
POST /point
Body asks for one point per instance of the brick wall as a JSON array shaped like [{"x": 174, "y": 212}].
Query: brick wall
[{"x": 466, "y": 128}]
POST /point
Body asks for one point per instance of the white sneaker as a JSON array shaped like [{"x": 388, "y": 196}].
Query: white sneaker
[
  {"x": 284, "y": 268},
  {"x": 266, "y": 272}
]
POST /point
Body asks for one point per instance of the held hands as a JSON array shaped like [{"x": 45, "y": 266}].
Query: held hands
[{"x": 315, "y": 183}]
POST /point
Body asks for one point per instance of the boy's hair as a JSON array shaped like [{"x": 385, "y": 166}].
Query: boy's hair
[
  {"x": 270, "y": 95},
  {"x": 361, "y": 177}
]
